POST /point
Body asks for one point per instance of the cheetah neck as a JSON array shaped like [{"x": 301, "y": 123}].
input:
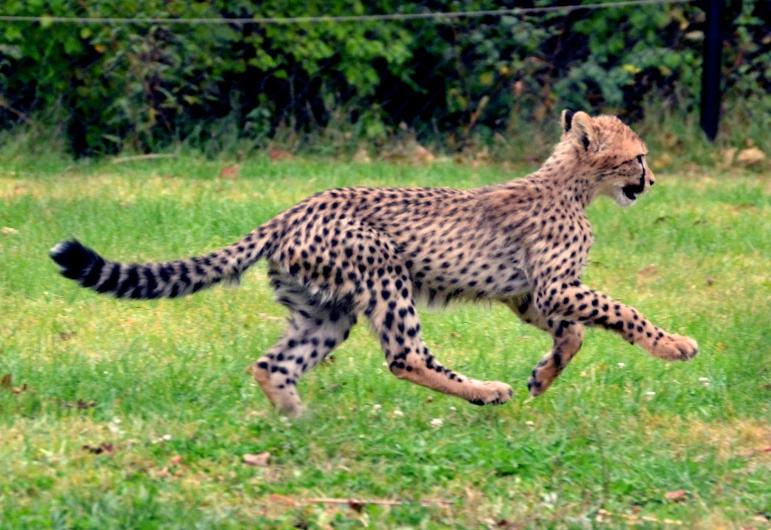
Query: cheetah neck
[{"x": 563, "y": 177}]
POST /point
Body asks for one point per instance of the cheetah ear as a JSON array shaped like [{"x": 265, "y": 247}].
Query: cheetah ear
[
  {"x": 584, "y": 130},
  {"x": 567, "y": 121}
]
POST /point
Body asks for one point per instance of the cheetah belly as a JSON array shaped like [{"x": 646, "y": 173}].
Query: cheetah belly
[{"x": 442, "y": 287}]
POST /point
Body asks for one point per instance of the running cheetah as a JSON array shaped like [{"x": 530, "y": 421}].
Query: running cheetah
[{"x": 358, "y": 251}]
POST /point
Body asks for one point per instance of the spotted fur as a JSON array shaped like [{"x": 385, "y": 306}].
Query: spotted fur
[{"x": 373, "y": 252}]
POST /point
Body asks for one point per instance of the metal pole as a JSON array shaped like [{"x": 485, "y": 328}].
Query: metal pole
[{"x": 711, "y": 62}]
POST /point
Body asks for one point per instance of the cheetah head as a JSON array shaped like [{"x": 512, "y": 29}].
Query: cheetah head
[{"x": 613, "y": 155}]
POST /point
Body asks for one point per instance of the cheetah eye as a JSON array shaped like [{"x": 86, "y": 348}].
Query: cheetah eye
[{"x": 639, "y": 159}]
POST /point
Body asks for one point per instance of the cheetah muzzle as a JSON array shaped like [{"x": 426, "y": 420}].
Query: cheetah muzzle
[
  {"x": 375, "y": 252},
  {"x": 632, "y": 191}
]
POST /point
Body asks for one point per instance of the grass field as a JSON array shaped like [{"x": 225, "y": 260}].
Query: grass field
[{"x": 163, "y": 383}]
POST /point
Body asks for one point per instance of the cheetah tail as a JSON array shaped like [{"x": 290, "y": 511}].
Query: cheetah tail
[{"x": 161, "y": 280}]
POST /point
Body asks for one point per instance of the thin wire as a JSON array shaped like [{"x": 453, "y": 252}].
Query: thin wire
[{"x": 350, "y": 18}]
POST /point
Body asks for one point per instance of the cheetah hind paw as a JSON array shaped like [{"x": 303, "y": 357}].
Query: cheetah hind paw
[
  {"x": 676, "y": 348},
  {"x": 491, "y": 393}
]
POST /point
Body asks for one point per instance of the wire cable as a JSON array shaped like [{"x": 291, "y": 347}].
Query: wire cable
[{"x": 437, "y": 16}]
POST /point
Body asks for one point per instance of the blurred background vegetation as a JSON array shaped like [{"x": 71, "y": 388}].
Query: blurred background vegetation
[{"x": 492, "y": 83}]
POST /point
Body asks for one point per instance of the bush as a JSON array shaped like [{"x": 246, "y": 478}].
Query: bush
[{"x": 143, "y": 86}]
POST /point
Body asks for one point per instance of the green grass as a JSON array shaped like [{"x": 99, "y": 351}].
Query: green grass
[{"x": 168, "y": 377}]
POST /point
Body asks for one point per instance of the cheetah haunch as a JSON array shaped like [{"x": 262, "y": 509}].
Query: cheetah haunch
[{"x": 375, "y": 251}]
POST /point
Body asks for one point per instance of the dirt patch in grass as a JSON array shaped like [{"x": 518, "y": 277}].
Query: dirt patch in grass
[{"x": 730, "y": 439}]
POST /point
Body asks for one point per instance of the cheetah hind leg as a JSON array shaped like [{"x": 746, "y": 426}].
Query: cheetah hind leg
[
  {"x": 304, "y": 345},
  {"x": 314, "y": 330},
  {"x": 397, "y": 326}
]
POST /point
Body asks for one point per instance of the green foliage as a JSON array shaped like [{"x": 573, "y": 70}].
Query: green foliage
[{"x": 141, "y": 86}]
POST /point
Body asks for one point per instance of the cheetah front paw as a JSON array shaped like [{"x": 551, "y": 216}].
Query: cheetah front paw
[
  {"x": 542, "y": 376},
  {"x": 537, "y": 385},
  {"x": 490, "y": 393},
  {"x": 675, "y": 348}
]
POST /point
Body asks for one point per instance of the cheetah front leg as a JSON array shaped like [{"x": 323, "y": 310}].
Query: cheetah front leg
[
  {"x": 577, "y": 302},
  {"x": 568, "y": 338}
]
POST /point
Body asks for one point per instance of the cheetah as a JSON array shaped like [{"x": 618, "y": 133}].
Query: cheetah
[{"x": 348, "y": 252}]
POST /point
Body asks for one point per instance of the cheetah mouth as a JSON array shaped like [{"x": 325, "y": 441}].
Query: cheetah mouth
[{"x": 633, "y": 190}]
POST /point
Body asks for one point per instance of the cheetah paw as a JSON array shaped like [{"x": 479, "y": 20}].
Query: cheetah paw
[
  {"x": 491, "y": 393},
  {"x": 542, "y": 377},
  {"x": 536, "y": 386},
  {"x": 676, "y": 348}
]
